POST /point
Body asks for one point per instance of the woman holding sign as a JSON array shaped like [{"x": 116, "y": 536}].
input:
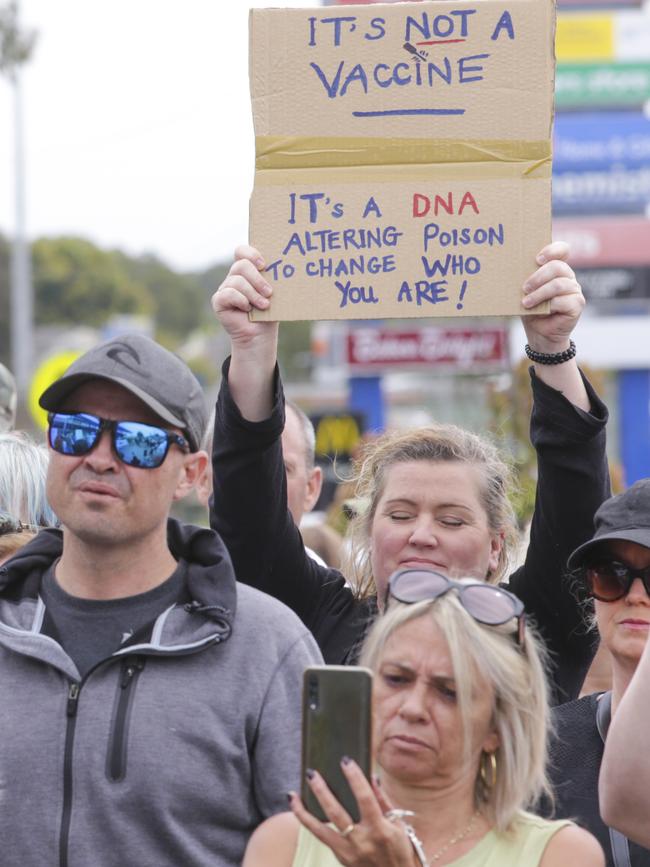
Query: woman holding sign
[
  {"x": 437, "y": 497},
  {"x": 460, "y": 718}
]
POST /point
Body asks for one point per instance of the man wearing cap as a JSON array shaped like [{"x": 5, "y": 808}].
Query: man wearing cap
[
  {"x": 150, "y": 705},
  {"x": 613, "y": 570}
]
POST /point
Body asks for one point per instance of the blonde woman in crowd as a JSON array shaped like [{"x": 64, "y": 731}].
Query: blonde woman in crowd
[
  {"x": 437, "y": 497},
  {"x": 460, "y": 718}
]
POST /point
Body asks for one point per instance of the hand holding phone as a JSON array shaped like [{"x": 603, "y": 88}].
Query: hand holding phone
[{"x": 336, "y": 722}]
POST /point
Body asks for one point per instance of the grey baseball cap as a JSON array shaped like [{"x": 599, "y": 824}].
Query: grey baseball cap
[
  {"x": 624, "y": 517},
  {"x": 158, "y": 377},
  {"x": 8, "y": 399}
]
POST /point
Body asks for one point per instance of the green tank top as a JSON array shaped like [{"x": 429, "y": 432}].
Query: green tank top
[{"x": 521, "y": 847}]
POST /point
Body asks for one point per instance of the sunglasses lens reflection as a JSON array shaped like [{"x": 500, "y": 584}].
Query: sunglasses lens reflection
[
  {"x": 73, "y": 434},
  {"x": 488, "y": 604},
  {"x": 135, "y": 444},
  {"x": 608, "y": 580},
  {"x": 414, "y": 586},
  {"x": 140, "y": 445}
]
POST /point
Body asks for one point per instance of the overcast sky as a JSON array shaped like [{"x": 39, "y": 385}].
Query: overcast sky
[{"x": 138, "y": 125}]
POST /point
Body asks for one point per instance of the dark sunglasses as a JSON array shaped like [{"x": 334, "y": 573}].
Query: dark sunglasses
[
  {"x": 609, "y": 580},
  {"x": 136, "y": 444},
  {"x": 486, "y": 603}
]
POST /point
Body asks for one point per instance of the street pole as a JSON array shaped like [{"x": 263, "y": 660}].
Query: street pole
[{"x": 22, "y": 304}]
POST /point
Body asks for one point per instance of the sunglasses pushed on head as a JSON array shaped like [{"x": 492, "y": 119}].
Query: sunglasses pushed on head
[{"x": 486, "y": 603}]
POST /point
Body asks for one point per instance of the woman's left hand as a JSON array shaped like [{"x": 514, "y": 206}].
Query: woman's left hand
[
  {"x": 374, "y": 841},
  {"x": 556, "y": 282}
]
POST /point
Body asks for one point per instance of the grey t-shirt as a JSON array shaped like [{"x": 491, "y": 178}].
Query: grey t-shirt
[{"x": 90, "y": 630}]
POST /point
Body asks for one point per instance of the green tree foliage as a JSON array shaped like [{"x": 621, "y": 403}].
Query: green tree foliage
[
  {"x": 511, "y": 409},
  {"x": 180, "y": 301},
  {"x": 79, "y": 283},
  {"x": 212, "y": 278},
  {"x": 294, "y": 350},
  {"x": 76, "y": 282}
]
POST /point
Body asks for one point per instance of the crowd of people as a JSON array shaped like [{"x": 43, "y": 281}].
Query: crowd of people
[{"x": 151, "y": 671}]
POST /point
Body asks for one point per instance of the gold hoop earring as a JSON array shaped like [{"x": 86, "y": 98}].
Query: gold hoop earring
[{"x": 491, "y": 781}]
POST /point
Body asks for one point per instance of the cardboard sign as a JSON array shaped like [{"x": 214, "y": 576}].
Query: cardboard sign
[{"x": 403, "y": 156}]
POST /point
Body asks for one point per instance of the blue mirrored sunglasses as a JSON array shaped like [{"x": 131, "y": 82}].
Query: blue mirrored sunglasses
[{"x": 136, "y": 444}]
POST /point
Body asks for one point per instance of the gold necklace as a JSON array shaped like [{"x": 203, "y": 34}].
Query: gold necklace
[
  {"x": 461, "y": 836},
  {"x": 419, "y": 850}
]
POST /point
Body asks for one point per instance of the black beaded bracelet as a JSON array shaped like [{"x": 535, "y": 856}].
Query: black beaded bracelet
[{"x": 551, "y": 357}]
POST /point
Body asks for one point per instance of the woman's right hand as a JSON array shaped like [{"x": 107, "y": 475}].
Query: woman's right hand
[
  {"x": 254, "y": 345},
  {"x": 374, "y": 841},
  {"x": 245, "y": 288}
]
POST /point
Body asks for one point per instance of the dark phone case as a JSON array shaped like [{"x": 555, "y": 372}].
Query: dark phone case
[{"x": 336, "y": 722}]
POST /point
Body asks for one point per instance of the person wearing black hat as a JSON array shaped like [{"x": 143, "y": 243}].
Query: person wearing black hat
[
  {"x": 150, "y": 704},
  {"x": 613, "y": 570},
  {"x": 625, "y": 772}
]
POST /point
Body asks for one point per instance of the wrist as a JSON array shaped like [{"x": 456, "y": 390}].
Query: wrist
[
  {"x": 256, "y": 349},
  {"x": 551, "y": 358},
  {"x": 548, "y": 345}
]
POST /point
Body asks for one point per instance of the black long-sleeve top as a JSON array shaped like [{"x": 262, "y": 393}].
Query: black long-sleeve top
[
  {"x": 575, "y": 756},
  {"x": 249, "y": 511}
]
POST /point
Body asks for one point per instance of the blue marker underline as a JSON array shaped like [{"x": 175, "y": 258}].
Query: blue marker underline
[{"x": 402, "y": 111}]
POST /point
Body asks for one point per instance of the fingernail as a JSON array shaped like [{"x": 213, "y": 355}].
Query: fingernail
[
  {"x": 266, "y": 289},
  {"x": 346, "y": 760},
  {"x": 541, "y": 259},
  {"x": 310, "y": 773},
  {"x": 527, "y": 287},
  {"x": 260, "y": 264},
  {"x": 290, "y": 796},
  {"x": 263, "y": 302},
  {"x": 527, "y": 302}
]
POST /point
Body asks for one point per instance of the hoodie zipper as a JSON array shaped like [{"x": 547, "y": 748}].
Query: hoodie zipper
[
  {"x": 71, "y": 713},
  {"x": 116, "y": 766},
  {"x": 131, "y": 668}
]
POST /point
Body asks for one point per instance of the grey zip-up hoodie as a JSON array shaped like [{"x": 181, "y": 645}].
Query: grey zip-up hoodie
[{"x": 170, "y": 751}]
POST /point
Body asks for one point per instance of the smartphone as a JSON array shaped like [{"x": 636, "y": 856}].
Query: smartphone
[{"x": 336, "y": 722}]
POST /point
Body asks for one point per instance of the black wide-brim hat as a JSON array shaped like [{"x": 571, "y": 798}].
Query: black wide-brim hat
[{"x": 625, "y": 517}]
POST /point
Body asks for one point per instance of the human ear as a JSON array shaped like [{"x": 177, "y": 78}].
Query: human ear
[
  {"x": 496, "y": 546},
  {"x": 314, "y": 485},
  {"x": 194, "y": 468},
  {"x": 492, "y": 741},
  {"x": 204, "y": 486}
]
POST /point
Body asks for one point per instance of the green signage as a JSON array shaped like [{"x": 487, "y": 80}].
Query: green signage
[{"x": 602, "y": 84}]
